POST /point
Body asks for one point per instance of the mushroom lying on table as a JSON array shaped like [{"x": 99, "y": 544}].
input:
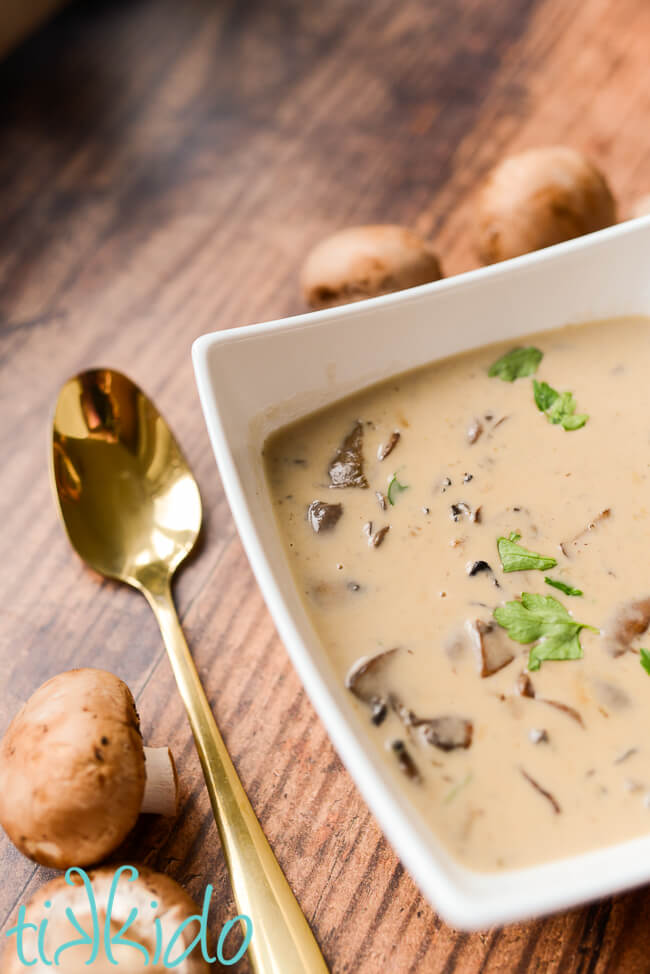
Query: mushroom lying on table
[
  {"x": 159, "y": 901},
  {"x": 538, "y": 198},
  {"x": 74, "y": 774},
  {"x": 362, "y": 262}
]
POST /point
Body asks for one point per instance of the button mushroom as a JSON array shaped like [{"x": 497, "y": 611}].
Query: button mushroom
[
  {"x": 539, "y": 198},
  {"x": 74, "y": 774},
  {"x": 583, "y": 539},
  {"x": 362, "y": 262},
  {"x": 150, "y": 905}
]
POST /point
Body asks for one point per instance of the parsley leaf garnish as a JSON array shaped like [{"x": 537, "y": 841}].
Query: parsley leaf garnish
[
  {"x": 563, "y": 587},
  {"x": 542, "y": 620},
  {"x": 514, "y": 558},
  {"x": 516, "y": 364},
  {"x": 545, "y": 396},
  {"x": 393, "y": 486},
  {"x": 559, "y": 407},
  {"x": 645, "y": 660}
]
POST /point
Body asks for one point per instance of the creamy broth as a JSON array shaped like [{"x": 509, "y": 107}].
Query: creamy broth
[{"x": 512, "y": 779}]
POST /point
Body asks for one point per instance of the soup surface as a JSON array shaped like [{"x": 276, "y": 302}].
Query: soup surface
[{"x": 423, "y": 519}]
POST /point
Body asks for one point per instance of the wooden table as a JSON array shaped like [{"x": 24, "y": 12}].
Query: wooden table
[{"x": 164, "y": 166}]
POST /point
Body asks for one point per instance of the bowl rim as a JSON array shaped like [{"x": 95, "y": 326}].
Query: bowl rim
[{"x": 468, "y": 899}]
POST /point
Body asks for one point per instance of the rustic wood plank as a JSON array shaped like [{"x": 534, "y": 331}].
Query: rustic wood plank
[{"x": 164, "y": 167}]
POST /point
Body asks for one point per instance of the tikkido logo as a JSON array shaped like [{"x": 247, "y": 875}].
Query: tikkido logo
[{"x": 101, "y": 935}]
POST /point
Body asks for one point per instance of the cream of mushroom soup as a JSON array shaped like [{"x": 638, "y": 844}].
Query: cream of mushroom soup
[{"x": 471, "y": 543}]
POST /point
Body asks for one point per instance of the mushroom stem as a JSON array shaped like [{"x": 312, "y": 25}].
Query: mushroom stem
[{"x": 161, "y": 788}]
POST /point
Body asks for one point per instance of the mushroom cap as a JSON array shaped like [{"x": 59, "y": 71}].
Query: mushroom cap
[
  {"x": 539, "y": 198},
  {"x": 173, "y": 906},
  {"x": 72, "y": 769},
  {"x": 362, "y": 262}
]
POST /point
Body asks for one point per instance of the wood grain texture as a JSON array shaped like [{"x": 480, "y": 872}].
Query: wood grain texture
[{"x": 164, "y": 167}]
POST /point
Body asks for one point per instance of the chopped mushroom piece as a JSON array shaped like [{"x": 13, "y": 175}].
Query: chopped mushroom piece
[
  {"x": 537, "y": 736},
  {"x": 405, "y": 761},
  {"x": 365, "y": 680},
  {"x": 376, "y": 539},
  {"x": 474, "y": 568},
  {"x": 565, "y": 708},
  {"x": 492, "y": 646},
  {"x": 378, "y": 711},
  {"x": 406, "y": 716},
  {"x": 524, "y": 685},
  {"x": 625, "y": 755},
  {"x": 362, "y": 678},
  {"x": 387, "y": 448},
  {"x": 383, "y": 503},
  {"x": 630, "y": 620},
  {"x": 446, "y": 733},
  {"x": 583, "y": 539},
  {"x": 547, "y": 795},
  {"x": 346, "y": 467},
  {"x": 461, "y": 509},
  {"x": 474, "y": 430},
  {"x": 323, "y": 516}
]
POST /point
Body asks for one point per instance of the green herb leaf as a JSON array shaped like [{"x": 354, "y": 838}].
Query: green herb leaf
[
  {"x": 514, "y": 558},
  {"x": 393, "y": 486},
  {"x": 545, "y": 396},
  {"x": 516, "y": 364},
  {"x": 455, "y": 789},
  {"x": 542, "y": 620},
  {"x": 563, "y": 587},
  {"x": 645, "y": 660},
  {"x": 559, "y": 408},
  {"x": 574, "y": 422}
]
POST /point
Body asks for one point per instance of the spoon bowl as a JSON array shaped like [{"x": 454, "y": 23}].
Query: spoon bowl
[
  {"x": 127, "y": 497},
  {"x": 132, "y": 511}
]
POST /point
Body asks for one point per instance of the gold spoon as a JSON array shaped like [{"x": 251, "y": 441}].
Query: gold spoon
[{"x": 132, "y": 510}]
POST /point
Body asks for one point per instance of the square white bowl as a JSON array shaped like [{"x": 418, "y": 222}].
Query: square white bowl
[{"x": 252, "y": 380}]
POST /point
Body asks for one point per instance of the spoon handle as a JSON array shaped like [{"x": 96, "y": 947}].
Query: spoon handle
[{"x": 282, "y": 942}]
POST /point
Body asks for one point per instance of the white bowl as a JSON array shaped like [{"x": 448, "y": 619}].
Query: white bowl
[{"x": 252, "y": 380}]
